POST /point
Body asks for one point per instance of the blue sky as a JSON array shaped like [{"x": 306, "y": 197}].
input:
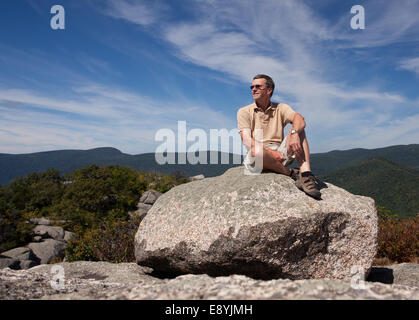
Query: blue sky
[{"x": 122, "y": 69}]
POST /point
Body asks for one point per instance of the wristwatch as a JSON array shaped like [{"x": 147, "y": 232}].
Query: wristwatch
[{"x": 294, "y": 131}]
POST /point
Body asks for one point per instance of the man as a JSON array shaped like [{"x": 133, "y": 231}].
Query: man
[{"x": 261, "y": 126}]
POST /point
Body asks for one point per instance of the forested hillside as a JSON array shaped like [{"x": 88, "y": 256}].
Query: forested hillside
[{"x": 392, "y": 186}]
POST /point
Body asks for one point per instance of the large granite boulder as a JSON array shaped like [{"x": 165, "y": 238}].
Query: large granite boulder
[{"x": 261, "y": 226}]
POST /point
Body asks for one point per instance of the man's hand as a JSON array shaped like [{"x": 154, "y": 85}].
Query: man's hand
[
  {"x": 294, "y": 146},
  {"x": 276, "y": 155}
]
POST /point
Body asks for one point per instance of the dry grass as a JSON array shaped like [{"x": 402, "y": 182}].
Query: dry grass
[{"x": 398, "y": 241}]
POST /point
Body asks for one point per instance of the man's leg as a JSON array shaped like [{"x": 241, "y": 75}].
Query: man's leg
[
  {"x": 306, "y": 180},
  {"x": 272, "y": 162},
  {"x": 304, "y": 160}
]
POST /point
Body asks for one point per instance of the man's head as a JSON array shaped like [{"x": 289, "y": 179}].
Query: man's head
[{"x": 262, "y": 88}]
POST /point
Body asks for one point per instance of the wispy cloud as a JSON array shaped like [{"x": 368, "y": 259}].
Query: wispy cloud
[
  {"x": 101, "y": 116},
  {"x": 411, "y": 64},
  {"x": 141, "y": 13},
  {"x": 394, "y": 22},
  {"x": 90, "y": 101},
  {"x": 235, "y": 40}
]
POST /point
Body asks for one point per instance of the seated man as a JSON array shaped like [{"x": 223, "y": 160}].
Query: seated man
[{"x": 261, "y": 126}]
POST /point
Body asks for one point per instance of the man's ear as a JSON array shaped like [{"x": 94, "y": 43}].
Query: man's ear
[{"x": 270, "y": 91}]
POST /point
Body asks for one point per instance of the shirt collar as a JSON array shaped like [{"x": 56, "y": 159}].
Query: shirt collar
[{"x": 272, "y": 106}]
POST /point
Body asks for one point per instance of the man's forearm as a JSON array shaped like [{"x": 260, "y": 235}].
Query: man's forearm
[
  {"x": 250, "y": 143},
  {"x": 298, "y": 123}
]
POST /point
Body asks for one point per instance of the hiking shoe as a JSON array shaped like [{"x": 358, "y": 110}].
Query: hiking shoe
[
  {"x": 308, "y": 184},
  {"x": 294, "y": 173}
]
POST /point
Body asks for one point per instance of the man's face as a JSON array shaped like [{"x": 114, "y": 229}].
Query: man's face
[{"x": 260, "y": 92}]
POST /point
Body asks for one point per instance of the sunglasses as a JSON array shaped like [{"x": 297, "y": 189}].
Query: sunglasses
[{"x": 257, "y": 86}]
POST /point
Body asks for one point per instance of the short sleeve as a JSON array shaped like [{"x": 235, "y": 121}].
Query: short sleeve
[
  {"x": 287, "y": 113},
  {"x": 243, "y": 119}
]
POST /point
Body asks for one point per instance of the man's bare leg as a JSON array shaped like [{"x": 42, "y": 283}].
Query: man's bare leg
[
  {"x": 270, "y": 162},
  {"x": 304, "y": 160},
  {"x": 305, "y": 180}
]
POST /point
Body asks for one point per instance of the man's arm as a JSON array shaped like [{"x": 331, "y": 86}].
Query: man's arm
[{"x": 298, "y": 124}]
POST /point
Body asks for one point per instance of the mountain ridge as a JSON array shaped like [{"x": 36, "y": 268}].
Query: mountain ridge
[{"x": 66, "y": 161}]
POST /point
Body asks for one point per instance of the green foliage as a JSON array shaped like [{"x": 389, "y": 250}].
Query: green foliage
[
  {"x": 390, "y": 185},
  {"x": 14, "y": 231},
  {"x": 162, "y": 182},
  {"x": 93, "y": 202},
  {"x": 112, "y": 241},
  {"x": 36, "y": 191},
  {"x": 384, "y": 214},
  {"x": 93, "y": 193}
]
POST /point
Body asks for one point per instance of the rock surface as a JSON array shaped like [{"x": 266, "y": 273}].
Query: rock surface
[
  {"x": 43, "y": 231},
  {"x": 197, "y": 177},
  {"x": 48, "y": 244},
  {"x": 7, "y": 262},
  {"x": 40, "y": 221},
  {"x": 48, "y": 250},
  {"x": 142, "y": 210},
  {"x": 102, "y": 280},
  {"x": 260, "y": 226},
  {"x": 150, "y": 196},
  {"x": 20, "y": 253}
]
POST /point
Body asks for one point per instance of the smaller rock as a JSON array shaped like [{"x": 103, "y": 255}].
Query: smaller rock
[
  {"x": 68, "y": 235},
  {"x": 40, "y": 221},
  {"x": 6, "y": 262},
  {"x": 37, "y": 239},
  {"x": 141, "y": 211},
  {"x": 26, "y": 264},
  {"x": 150, "y": 196},
  {"x": 56, "y": 233},
  {"x": 198, "y": 177},
  {"x": 48, "y": 250},
  {"x": 20, "y": 253}
]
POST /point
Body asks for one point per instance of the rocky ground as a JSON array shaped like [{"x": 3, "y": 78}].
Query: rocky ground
[{"x": 102, "y": 280}]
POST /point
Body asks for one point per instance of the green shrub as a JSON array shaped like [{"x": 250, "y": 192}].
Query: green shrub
[
  {"x": 36, "y": 190},
  {"x": 14, "y": 230},
  {"x": 113, "y": 241},
  {"x": 162, "y": 182}
]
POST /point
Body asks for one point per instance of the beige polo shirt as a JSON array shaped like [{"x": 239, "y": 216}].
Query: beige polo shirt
[{"x": 272, "y": 121}]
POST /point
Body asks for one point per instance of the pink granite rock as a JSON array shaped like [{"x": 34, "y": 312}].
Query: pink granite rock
[{"x": 261, "y": 226}]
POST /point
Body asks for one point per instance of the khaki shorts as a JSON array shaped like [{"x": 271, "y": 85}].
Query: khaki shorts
[{"x": 249, "y": 162}]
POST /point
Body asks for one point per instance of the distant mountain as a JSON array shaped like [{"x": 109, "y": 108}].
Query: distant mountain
[
  {"x": 384, "y": 181},
  {"x": 391, "y": 185},
  {"x": 66, "y": 161},
  {"x": 406, "y": 155}
]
